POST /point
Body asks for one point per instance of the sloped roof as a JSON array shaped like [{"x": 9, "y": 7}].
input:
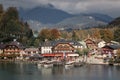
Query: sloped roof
[
  {"x": 53, "y": 43},
  {"x": 2, "y": 45},
  {"x": 16, "y": 43},
  {"x": 31, "y": 49},
  {"x": 115, "y": 46},
  {"x": 46, "y": 43}
]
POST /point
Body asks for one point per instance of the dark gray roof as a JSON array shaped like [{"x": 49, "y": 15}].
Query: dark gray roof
[
  {"x": 53, "y": 43},
  {"x": 2, "y": 45},
  {"x": 115, "y": 46},
  {"x": 46, "y": 43},
  {"x": 16, "y": 43}
]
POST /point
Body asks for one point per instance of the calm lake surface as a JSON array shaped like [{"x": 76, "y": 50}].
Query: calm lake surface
[{"x": 29, "y": 71}]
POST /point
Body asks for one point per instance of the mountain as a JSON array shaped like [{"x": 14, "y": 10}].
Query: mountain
[
  {"x": 49, "y": 16},
  {"x": 43, "y": 14},
  {"x": 83, "y": 20},
  {"x": 115, "y": 22},
  {"x": 100, "y": 17}
]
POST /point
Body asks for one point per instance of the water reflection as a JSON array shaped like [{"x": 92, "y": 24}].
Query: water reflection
[{"x": 25, "y": 71}]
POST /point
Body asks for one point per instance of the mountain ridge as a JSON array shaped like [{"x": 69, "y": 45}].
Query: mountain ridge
[{"x": 49, "y": 15}]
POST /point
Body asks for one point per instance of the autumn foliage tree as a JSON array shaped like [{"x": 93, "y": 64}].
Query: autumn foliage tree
[
  {"x": 49, "y": 34},
  {"x": 117, "y": 35},
  {"x": 96, "y": 33},
  {"x": 55, "y": 34},
  {"x": 107, "y": 35},
  {"x": 44, "y": 34}
]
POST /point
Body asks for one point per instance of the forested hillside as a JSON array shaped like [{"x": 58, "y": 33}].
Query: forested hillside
[{"x": 11, "y": 27}]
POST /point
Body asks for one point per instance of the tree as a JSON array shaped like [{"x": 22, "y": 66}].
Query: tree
[
  {"x": 1, "y": 10},
  {"x": 9, "y": 22},
  {"x": 11, "y": 27},
  {"x": 96, "y": 33},
  {"x": 80, "y": 52},
  {"x": 44, "y": 34},
  {"x": 74, "y": 35},
  {"x": 55, "y": 34},
  {"x": 117, "y": 35},
  {"x": 106, "y": 35},
  {"x": 85, "y": 53},
  {"x": 36, "y": 42},
  {"x": 12, "y": 13}
]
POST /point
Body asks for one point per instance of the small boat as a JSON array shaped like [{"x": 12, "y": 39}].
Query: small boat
[
  {"x": 48, "y": 64},
  {"x": 41, "y": 64},
  {"x": 58, "y": 63},
  {"x": 69, "y": 64},
  {"x": 78, "y": 64}
]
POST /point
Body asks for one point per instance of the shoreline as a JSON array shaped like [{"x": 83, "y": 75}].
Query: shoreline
[
  {"x": 35, "y": 62},
  {"x": 18, "y": 61},
  {"x": 115, "y": 64}
]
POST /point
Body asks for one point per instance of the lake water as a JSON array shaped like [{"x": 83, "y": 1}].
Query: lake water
[{"x": 28, "y": 71}]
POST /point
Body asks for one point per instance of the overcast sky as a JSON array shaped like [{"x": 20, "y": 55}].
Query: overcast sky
[{"x": 110, "y": 7}]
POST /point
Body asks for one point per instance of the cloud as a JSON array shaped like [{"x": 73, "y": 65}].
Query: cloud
[{"x": 110, "y": 7}]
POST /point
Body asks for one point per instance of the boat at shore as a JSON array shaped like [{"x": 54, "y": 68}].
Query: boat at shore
[
  {"x": 45, "y": 64},
  {"x": 69, "y": 64},
  {"x": 58, "y": 63},
  {"x": 78, "y": 64},
  {"x": 48, "y": 65}
]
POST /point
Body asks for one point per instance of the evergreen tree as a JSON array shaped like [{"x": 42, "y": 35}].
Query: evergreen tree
[
  {"x": 106, "y": 35},
  {"x": 117, "y": 35},
  {"x": 74, "y": 36},
  {"x": 1, "y": 10},
  {"x": 11, "y": 27}
]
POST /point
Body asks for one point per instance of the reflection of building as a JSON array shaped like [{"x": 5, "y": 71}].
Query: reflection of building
[{"x": 46, "y": 71}]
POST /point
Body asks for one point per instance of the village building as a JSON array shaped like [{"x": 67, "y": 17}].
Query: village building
[
  {"x": 91, "y": 44},
  {"x": 46, "y": 47},
  {"x": 60, "y": 48},
  {"x": 110, "y": 49},
  {"x": 1, "y": 48},
  {"x": 32, "y": 51},
  {"x": 13, "y": 47},
  {"x": 101, "y": 44}
]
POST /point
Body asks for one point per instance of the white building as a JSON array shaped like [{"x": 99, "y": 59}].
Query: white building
[
  {"x": 101, "y": 44},
  {"x": 46, "y": 47},
  {"x": 31, "y": 51}
]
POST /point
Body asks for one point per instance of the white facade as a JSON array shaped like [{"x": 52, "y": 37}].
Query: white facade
[
  {"x": 101, "y": 44},
  {"x": 78, "y": 46},
  {"x": 31, "y": 51},
  {"x": 46, "y": 49},
  {"x": 1, "y": 51}
]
